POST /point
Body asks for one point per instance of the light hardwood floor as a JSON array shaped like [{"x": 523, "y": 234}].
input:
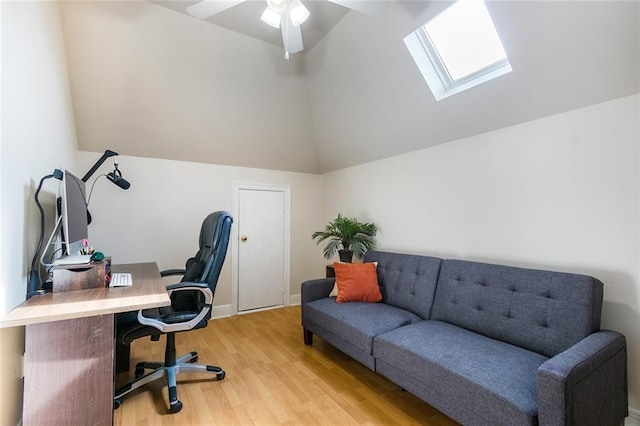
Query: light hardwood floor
[{"x": 272, "y": 378}]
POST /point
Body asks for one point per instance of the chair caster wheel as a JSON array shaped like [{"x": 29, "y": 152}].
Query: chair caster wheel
[
  {"x": 139, "y": 372},
  {"x": 220, "y": 375},
  {"x": 117, "y": 403},
  {"x": 194, "y": 359},
  {"x": 175, "y": 408}
]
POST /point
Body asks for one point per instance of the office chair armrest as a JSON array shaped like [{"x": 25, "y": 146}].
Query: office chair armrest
[
  {"x": 181, "y": 326},
  {"x": 186, "y": 285},
  {"x": 171, "y": 272}
]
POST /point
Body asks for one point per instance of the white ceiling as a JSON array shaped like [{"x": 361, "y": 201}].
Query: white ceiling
[
  {"x": 244, "y": 18},
  {"x": 149, "y": 82}
]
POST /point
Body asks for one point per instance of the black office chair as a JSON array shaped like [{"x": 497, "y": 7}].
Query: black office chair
[{"x": 191, "y": 303}]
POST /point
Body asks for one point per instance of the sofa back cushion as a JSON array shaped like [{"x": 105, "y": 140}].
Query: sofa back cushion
[
  {"x": 543, "y": 311},
  {"x": 407, "y": 281}
]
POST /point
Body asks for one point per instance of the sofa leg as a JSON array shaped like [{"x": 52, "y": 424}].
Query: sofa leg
[{"x": 308, "y": 337}]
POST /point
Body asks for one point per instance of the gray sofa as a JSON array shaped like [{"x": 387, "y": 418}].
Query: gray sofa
[{"x": 485, "y": 344}]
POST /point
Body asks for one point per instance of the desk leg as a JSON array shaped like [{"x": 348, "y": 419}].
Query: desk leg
[{"x": 69, "y": 372}]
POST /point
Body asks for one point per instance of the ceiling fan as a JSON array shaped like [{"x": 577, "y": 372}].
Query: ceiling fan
[{"x": 287, "y": 15}]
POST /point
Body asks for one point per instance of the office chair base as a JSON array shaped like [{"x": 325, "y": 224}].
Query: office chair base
[{"x": 184, "y": 364}]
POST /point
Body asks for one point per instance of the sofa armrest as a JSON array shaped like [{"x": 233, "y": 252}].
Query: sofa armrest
[
  {"x": 586, "y": 384},
  {"x": 316, "y": 289},
  {"x": 309, "y": 291}
]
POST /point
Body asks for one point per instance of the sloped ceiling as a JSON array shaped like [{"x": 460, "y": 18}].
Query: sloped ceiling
[
  {"x": 244, "y": 18},
  {"x": 147, "y": 81},
  {"x": 369, "y": 99}
]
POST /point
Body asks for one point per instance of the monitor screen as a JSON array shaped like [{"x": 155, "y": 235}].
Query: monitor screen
[{"x": 74, "y": 213}]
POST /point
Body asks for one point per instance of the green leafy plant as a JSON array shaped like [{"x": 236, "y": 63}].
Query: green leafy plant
[{"x": 353, "y": 236}]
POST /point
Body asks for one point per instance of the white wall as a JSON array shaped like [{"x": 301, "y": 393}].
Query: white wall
[
  {"x": 559, "y": 193},
  {"x": 38, "y": 135},
  {"x": 158, "y": 219}
]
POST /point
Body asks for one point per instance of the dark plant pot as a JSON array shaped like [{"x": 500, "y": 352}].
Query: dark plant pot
[{"x": 345, "y": 255}]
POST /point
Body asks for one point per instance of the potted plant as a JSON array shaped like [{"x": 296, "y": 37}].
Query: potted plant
[{"x": 348, "y": 237}]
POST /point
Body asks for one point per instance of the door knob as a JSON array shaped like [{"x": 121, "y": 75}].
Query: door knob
[{"x": 243, "y": 238}]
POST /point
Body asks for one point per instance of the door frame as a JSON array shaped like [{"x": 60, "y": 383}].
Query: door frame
[{"x": 235, "y": 264}]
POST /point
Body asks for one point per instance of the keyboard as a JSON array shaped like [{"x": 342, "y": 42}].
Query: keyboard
[
  {"x": 120, "y": 279},
  {"x": 80, "y": 259}
]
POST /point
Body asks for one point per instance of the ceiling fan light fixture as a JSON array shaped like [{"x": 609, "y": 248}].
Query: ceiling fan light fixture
[
  {"x": 297, "y": 12},
  {"x": 271, "y": 17},
  {"x": 277, "y": 5}
]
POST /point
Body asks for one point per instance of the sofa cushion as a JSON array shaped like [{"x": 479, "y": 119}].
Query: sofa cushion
[
  {"x": 543, "y": 311},
  {"x": 407, "y": 281},
  {"x": 493, "y": 379},
  {"x": 356, "y": 322},
  {"x": 357, "y": 282}
]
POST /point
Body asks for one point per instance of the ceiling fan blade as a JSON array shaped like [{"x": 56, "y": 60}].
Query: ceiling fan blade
[
  {"x": 371, "y": 7},
  {"x": 207, "y": 8},
  {"x": 291, "y": 36}
]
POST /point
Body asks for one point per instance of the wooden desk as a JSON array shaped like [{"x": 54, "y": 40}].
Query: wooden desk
[{"x": 69, "y": 347}]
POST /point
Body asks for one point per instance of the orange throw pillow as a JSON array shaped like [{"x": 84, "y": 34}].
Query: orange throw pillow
[{"x": 357, "y": 282}]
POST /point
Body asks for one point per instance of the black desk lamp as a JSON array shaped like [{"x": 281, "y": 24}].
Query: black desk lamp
[
  {"x": 115, "y": 176},
  {"x": 33, "y": 284}
]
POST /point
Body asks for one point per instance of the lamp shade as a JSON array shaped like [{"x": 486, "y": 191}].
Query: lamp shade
[
  {"x": 271, "y": 17},
  {"x": 277, "y": 5},
  {"x": 297, "y": 12}
]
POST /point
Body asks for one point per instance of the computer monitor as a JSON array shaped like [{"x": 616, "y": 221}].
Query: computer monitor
[{"x": 74, "y": 213}]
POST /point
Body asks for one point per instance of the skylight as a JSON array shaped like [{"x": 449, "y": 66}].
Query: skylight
[{"x": 458, "y": 49}]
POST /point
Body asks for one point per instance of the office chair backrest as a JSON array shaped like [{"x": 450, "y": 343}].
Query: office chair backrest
[
  {"x": 214, "y": 240},
  {"x": 206, "y": 265}
]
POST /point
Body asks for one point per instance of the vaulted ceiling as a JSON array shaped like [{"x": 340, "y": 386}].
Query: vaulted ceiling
[
  {"x": 148, "y": 80},
  {"x": 244, "y": 18}
]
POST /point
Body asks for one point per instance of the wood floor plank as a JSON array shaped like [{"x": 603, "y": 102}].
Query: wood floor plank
[{"x": 272, "y": 378}]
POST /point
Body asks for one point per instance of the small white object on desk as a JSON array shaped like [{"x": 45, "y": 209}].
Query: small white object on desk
[
  {"x": 80, "y": 259},
  {"x": 120, "y": 279}
]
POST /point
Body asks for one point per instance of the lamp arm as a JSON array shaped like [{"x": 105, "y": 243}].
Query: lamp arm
[{"x": 107, "y": 153}]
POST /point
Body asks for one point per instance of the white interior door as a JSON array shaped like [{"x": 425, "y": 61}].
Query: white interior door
[{"x": 261, "y": 248}]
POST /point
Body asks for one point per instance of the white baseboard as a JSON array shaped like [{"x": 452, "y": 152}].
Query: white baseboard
[
  {"x": 634, "y": 417},
  {"x": 222, "y": 311}
]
